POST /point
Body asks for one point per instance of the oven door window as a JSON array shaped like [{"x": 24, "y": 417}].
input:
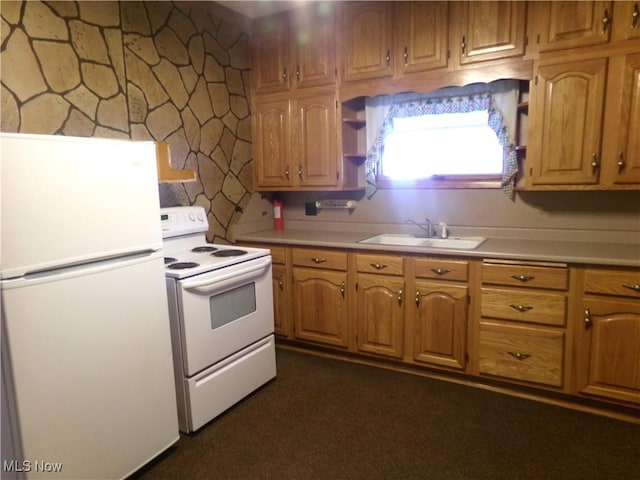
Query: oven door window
[{"x": 231, "y": 305}]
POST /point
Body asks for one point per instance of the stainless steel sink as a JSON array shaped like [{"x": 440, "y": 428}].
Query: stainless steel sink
[{"x": 457, "y": 243}]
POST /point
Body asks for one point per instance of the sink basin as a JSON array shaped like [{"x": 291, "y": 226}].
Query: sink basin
[{"x": 457, "y": 243}]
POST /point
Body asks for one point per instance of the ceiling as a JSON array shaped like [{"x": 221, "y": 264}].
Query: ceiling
[{"x": 255, "y": 9}]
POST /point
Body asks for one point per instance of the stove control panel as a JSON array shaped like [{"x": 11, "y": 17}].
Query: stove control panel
[{"x": 183, "y": 220}]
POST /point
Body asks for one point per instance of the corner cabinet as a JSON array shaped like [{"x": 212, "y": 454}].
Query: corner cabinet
[
  {"x": 608, "y": 335},
  {"x": 295, "y": 145}
]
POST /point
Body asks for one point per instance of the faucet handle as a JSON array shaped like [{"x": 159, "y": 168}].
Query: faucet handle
[{"x": 443, "y": 233}]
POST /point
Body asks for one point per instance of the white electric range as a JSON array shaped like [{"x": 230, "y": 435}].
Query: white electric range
[{"x": 221, "y": 313}]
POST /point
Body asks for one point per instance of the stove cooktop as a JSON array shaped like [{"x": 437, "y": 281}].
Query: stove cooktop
[{"x": 207, "y": 257}]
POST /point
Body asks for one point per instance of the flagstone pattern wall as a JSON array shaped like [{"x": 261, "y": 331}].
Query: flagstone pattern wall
[{"x": 161, "y": 70}]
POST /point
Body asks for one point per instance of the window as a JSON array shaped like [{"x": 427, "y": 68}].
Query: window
[
  {"x": 453, "y": 138},
  {"x": 428, "y": 146}
]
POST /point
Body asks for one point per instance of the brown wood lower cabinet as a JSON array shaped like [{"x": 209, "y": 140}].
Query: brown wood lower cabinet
[
  {"x": 572, "y": 330},
  {"x": 608, "y": 335}
]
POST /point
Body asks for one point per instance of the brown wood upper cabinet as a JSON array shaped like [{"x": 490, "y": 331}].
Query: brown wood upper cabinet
[
  {"x": 295, "y": 144},
  {"x": 295, "y": 49},
  {"x": 582, "y": 118},
  {"x": 386, "y": 39},
  {"x": 488, "y": 30},
  {"x": 561, "y": 25}
]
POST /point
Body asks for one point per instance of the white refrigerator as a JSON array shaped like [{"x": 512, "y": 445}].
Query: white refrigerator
[{"x": 87, "y": 373}]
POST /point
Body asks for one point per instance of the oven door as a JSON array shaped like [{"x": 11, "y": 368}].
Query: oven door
[{"x": 224, "y": 311}]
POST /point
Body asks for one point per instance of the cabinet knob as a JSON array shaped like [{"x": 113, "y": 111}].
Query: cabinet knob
[
  {"x": 440, "y": 271},
  {"x": 286, "y": 172},
  {"x": 519, "y": 356},
  {"x": 300, "y": 172},
  {"x": 521, "y": 308},
  {"x": 523, "y": 278},
  {"x": 377, "y": 266},
  {"x": 606, "y": 21},
  {"x": 595, "y": 164},
  {"x": 620, "y": 162},
  {"x": 285, "y": 75},
  {"x": 635, "y": 288}
]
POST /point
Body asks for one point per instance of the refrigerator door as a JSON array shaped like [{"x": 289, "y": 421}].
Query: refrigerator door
[
  {"x": 69, "y": 200},
  {"x": 92, "y": 375}
]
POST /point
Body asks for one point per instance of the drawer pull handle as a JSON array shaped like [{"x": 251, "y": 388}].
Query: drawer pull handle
[
  {"x": 318, "y": 260},
  {"x": 523, "y": 278},
  {"x": 377, "y": 266},
  {"x": 418, "y": 298},
  {"x": 521, "y": 308},
  {"x": 399, "y": 297},
  {"x": 635, "y": 288},
  {"x": 519, "y": 356},
  {"x": 281, "y": 284},
  {"x": 440, "y": 271},
  {"x": 342, "y": 289}
]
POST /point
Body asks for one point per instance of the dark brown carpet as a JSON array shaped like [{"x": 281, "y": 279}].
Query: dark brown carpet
[{"x": 329, "y": 419}]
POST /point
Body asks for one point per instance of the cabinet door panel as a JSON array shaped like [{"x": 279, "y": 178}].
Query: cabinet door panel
[
  {"x": 270, "y": 56},
  {"x": 367, "y": 40},
  {"x": 381, "y": 315},
  {"x": 441, "y": 324},
  {"x": 314, "y": 45},
  {"x": 569, "y": 100},
  {"x": 320, "y": 307},
  {"x": 271, "y": 144},
  {"x": 626, "y": 20},
  {"x": 628, "y": 151},
  {"x": 421, "y": 36},
  {"x": 315, "y": 142},
  {"x": 609, "y": 359},
  {"x": 491, "y": 30},
  {"x": 571, "y": 24}
]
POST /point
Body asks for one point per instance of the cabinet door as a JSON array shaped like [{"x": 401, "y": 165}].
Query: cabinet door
[
  {"x": 609, "y": 357},
  {"x": 367, "y": 40},
  {"x": 270, "y": 54},
  {"x": 313, "y": 42},
  {"x": 626, "y": 20},
  {"x": 627, "y": 154},
  {"x": 422, "y": 32},
  {"x": 320, "y": 306},
  {"x": 281, "y": 292},
  {"x": 566, "y": 123},
  {"x": 380, "y": 314},
  {"x": 571, "y": 24},
  {"x": 272, "y": 144},
  {"x": 315, "y": 141},
  {"x": 441, "y": 324},
  {"x": 488, "y": 30}
]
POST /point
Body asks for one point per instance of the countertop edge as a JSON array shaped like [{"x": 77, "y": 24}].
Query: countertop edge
[{"x": 593, "y": 253}]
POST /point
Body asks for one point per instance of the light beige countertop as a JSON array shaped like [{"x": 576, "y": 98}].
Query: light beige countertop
[{"x": 576, "y": 252}]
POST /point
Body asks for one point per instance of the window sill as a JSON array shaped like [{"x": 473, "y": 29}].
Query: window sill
[{"x": 452, "y": 182}]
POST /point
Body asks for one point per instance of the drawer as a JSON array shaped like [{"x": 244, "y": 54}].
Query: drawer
[
  {"x": 309, "y": 257},
  {"x": 522, "y": 353},
  {"x": 374, "y": 263},
  {"x": 441, "y": 269},
  {"x": 524, "y": 306},
  {"x": 555, "y": 278},
  {"x": 625, "y": 283}
]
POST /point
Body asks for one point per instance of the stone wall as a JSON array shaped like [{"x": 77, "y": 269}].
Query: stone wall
[{"x": 170, "y": 71}]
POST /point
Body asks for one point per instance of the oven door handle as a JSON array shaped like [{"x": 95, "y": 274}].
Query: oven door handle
[{"x": 220, "y": 282}]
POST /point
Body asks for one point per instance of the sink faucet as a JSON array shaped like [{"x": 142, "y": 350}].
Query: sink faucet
[{"x": 427, "y": 227}]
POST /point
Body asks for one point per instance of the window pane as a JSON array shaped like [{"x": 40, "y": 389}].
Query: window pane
[{"x": 447, "y": 144}]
